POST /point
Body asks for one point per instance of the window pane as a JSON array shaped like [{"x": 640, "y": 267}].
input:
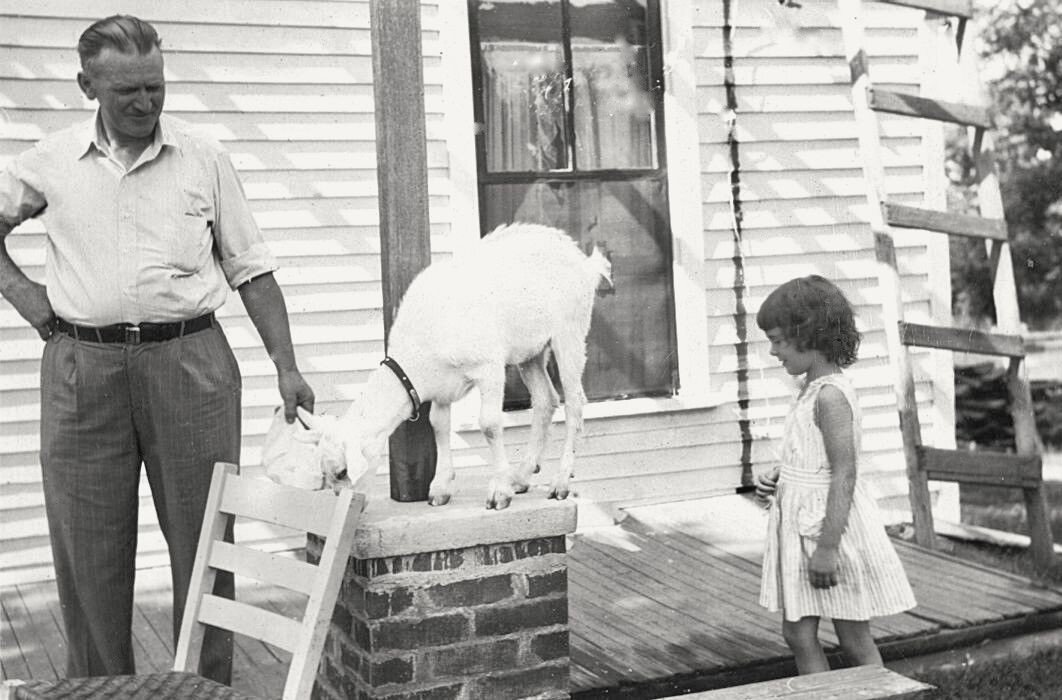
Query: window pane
[
  {"x": 629, "y": 351},
  {"x": 522, "y": 68},
  {"x": 612, "y": 102}
]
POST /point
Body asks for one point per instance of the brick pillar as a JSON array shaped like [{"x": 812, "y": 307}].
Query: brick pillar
[{"x": 452, "y": 602}]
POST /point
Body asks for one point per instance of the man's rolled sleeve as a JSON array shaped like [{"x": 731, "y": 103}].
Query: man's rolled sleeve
[
  {"x": 244, "y": 267},
  {"x": 242, "y": 250},
  {"x": 19, "y": 200}
]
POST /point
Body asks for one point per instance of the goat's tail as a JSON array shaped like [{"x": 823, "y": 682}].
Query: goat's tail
[{"x": 599, "y": 266}]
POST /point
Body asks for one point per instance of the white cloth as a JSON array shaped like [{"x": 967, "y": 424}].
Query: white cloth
[
  {"x": 871, "y": 581},
  {"x": 288, "y": 453}
]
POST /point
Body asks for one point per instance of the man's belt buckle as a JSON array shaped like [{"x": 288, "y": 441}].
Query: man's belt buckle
[{"x": 132, "y": 335}]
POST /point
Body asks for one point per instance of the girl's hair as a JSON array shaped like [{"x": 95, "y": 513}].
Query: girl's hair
[
  {"x": 124, "y": 33},
  {"x": 814, "y": 315}
]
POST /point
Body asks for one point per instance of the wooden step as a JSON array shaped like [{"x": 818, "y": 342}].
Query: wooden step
[
  {"x": 857, "y": 682},
  {"x": 915, "y": 106},
  {"x": 952, "y": 8},
  {"x": 986, "y": 468},
  {"x": 903, "y": 216},
  {"x": 961, "y": 340}
]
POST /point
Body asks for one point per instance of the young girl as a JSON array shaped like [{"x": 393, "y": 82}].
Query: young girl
[{"x": 827, "y": 552}]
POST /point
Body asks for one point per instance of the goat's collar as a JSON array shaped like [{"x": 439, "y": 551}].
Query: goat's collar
[{"x": 408, "y": 385}]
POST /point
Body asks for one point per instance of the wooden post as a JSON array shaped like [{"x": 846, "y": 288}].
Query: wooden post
[{"x": 402, "y": 176}]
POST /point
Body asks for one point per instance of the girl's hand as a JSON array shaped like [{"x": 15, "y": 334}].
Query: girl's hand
[
  {"x": 766, "y": 485},
  {"x": 822, "y": 569}
]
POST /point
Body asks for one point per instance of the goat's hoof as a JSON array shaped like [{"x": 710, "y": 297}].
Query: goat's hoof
[
  {"x": 498, "y": 502},
  {"x": 538, "y": 468},
  {"x": 559, "y": 493},
  {"x": 439, "y": 500},
  {"x": 521, "y": 488}
]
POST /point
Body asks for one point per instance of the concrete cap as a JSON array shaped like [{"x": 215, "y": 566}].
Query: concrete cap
[{"x": 389, "y": 528}]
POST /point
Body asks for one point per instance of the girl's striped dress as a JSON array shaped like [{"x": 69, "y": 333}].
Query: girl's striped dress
[{"x": 871, "y": 579}]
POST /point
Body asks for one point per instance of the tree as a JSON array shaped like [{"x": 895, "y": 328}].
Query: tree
[{"x": 1022, "y": 41}]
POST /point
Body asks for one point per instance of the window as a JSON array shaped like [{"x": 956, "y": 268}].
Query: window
[{"x": 569, "y": 100}]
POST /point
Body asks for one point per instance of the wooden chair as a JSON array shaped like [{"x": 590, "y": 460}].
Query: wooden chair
[{"x": 334, "y": 517}]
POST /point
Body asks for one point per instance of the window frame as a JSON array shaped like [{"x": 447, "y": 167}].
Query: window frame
[{"x": 698, "y": 388}]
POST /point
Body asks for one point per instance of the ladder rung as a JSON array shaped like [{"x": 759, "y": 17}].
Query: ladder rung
[
  {"x": 953, "y": 8},
  {"x": 944, "y": 222},
  {"x": 915, "y": 106},
  {"x": 961, "y": 340},
  {"x": 989, "y": 468}
]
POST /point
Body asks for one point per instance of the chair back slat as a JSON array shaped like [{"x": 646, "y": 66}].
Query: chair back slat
[
  {"x": 250, "y": 620},
  {"x": 293, "y": 574},
  {"x": 315, "y": 622},
  {"x": 261, "y": 499}
]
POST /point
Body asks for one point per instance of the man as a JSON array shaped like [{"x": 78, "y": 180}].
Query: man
[{"x": 147, "y": 228}]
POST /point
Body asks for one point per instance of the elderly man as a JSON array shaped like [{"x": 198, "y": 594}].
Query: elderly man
[{"x": 147, "y": 228}]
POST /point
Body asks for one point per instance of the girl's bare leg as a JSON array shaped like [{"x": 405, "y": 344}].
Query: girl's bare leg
[
  {"x": 802, "y": 637},
  {"x": 857, "y": 642}
]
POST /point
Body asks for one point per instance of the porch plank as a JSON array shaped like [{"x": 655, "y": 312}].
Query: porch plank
[
  {"x": 715, "y": 581},
  {"x": 653, "y": 629},
  {"x": 48, "y": 627},
  {"x": 670, "y": 593},
  {"x": 157, "y": 652},
  {"x": 32, "y": 632},
  {"x": 1004, "y": 586},
  {"x": 637, "y": 661},
  {"x": 13, "y": 663},
  {"x": 687, "y": 602},
  {"x": 743, "y": 575}
]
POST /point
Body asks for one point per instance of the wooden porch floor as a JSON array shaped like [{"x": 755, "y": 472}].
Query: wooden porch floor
[{"x": 664, "y": 601}]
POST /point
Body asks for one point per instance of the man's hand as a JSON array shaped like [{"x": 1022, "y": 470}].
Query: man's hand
[
  {"x": 30, "y": 299},
  {"x": 294, "y": 391},
  {"x": 822, "y": 569}
]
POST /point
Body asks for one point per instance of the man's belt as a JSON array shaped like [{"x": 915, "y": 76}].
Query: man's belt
[{"x": 135, "y": 334}]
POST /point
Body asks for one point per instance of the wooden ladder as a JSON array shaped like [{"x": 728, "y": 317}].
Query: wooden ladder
[{"x": 1024, "y": 468}]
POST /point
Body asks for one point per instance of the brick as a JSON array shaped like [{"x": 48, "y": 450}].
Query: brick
[
  {"x": 342, "y": 620},
  {"x": 322, "y": 692},
  {"x": 450, "y": 691},
  {"x": 553, "y": 582},
  {"x": 507, "y": 552},
  {"x": 473, "y": 659},
  {"x": 480, "y": 591},
  {"x": 332, "y": 674},
  {"x": 379, "y": 604},
  {"x": 350, "y": 658},
  {"x": 397, "y": 633},
  {"x": 398, "y": 669},
  {"x": 523, "y": 684},
  {"x": 500, "y": 620},
  {"x": 545, "y": 545},
  {"x": 361, "y": 635},
  {"x": 551, "y": 645},
  {"x": 352, "y": 689},
  {"x": 426, "y": 561},
  {"x": 352, "y": 597}
]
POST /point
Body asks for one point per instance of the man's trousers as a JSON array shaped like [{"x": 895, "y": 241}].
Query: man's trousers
[{"x": 107, "y": 408}]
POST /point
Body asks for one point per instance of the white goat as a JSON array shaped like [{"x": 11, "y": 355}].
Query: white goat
[{"x": 522, "y": 291}]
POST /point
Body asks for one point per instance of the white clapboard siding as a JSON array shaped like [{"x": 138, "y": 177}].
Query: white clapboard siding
[
  {"x": 286, "y": 86},
  {"x": 803, "y": 200}
]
